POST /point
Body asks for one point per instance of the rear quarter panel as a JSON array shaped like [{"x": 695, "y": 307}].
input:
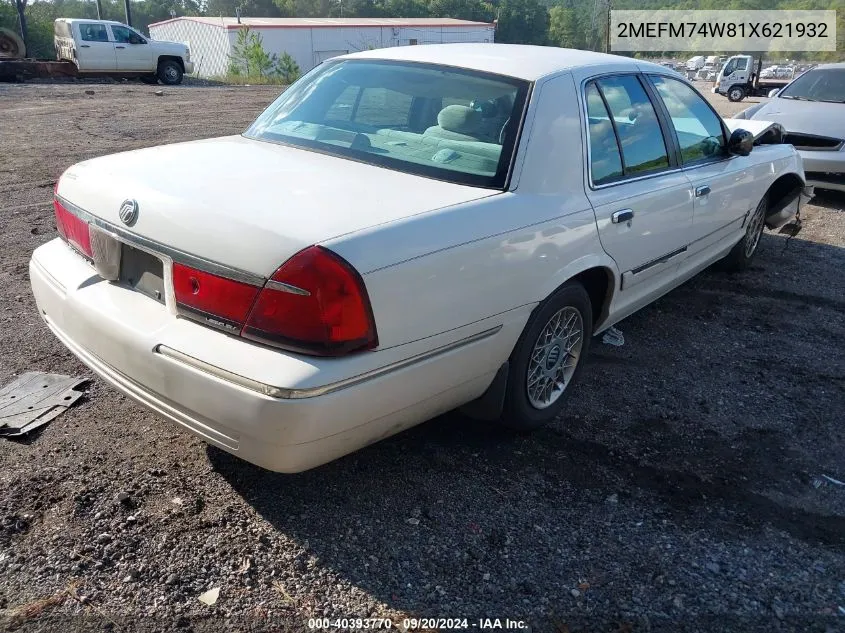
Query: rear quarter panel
[{"x": 459, "y": 266}]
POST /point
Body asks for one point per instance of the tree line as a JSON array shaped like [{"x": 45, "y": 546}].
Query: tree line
[{"x": 567, "y": 23}]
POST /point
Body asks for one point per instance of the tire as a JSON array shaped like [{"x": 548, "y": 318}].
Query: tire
[
  {"x": 736, "y": 93},
  {"x": 742, "y": 254},
  {"x": 530, "y": 405},
  {"x": 148, "y": 79},
  {"x": 170, "y": 72}
]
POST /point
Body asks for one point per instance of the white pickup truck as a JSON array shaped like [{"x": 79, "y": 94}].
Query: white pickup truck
[{"x": 103, "y": 47}]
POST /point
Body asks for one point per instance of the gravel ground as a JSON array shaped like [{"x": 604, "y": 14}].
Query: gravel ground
[{"x": 683, "y": 490}]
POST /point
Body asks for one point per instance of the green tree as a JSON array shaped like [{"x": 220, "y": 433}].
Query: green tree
[
  {"x": 287, "y": 69},
  {"x": 522, "y": 22},
  {"x": 563, "y": 27},
  {"x": 248, "y": 57}
]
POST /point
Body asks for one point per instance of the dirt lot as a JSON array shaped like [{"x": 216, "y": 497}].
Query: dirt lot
[{"x": 684, "y": 490}]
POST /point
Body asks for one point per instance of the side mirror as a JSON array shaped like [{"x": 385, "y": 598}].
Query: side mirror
[
  {"x": 741, "y": 142},
  {"x": 774, "y": 93}
]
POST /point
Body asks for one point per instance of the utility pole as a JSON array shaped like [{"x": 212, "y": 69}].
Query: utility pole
[
  {"x": 99, "y": 9},
  {"x": 128, "y": 12}
]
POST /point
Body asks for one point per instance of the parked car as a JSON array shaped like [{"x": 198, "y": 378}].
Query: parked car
[
  {"x": 812, "y": 111},
  {"x": 103, "y": 47},
  {"x": 337, "y": 274}
]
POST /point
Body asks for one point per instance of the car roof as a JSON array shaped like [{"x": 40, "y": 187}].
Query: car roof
[
  {"x": 837, "y": 65},
  {"x": 515, "y": 60},
  {"x": 72, "y": 20}
]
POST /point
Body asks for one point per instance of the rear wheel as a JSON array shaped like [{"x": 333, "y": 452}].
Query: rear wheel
[
  {"x": 743, "y": 253},
  {"x": 170, "y": 72},
  {"x": 547, "y": 358},
  {"x": 736, "y": 93}
]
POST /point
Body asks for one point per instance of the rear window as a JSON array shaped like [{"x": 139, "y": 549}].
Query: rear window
[
  {"x": 436, "y": 121},
  {"x": 62, "y": 29},
  {"x": 93, "y": 32}
]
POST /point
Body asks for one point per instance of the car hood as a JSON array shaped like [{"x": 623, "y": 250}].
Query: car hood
[
  {"x": 805, "y": 117},
  {"x": 250, "y": 204}
]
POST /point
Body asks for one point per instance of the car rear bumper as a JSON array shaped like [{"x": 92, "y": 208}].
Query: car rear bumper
[
  {"x": 281, "y": 411},
  {"x": 824, "y": 170}
]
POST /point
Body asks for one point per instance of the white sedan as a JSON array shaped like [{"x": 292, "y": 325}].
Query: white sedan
[{"x": 402, "y": 232}]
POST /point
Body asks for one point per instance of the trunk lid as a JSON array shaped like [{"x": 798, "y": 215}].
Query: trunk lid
[{"x": 249, "y": 204}]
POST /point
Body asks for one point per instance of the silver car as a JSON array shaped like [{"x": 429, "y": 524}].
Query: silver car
[{"x": 812, "y": 111}]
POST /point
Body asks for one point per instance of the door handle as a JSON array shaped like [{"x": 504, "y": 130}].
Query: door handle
[
  {"x": 702, "y": 191},
  {"x": 84, "y": 46},
  {"x": 120, "y": 47},
  {"x": 623, "y": 215}
]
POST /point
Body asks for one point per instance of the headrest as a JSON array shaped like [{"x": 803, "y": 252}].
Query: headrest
[{"x": 460, "y": 119}]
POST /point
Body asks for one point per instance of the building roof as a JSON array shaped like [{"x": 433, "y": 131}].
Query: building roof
[
  {"x": 288, "y": 23},
  {"x": 515, "y": 60}
]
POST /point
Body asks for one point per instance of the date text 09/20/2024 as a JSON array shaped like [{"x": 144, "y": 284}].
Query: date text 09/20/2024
[{"x": 412, "y": 624}]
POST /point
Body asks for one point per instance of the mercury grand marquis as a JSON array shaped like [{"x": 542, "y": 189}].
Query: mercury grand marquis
[{"x": 403, "y": 232}]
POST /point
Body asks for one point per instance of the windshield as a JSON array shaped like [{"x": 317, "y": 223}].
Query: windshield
[
  {"x": 436, "y": 121},
  {"x": 826, "y": 84}
]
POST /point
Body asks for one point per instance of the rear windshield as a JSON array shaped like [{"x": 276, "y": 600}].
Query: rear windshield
[
  {"x": 825, "y": 84},
  {"x": 62, "y": 29},
  {"x": 436, "y": 121}
]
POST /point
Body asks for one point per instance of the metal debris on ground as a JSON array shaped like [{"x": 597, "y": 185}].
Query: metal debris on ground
[
  {"x": 34, "y": 399},
  {"x": 613, "y": 336}
]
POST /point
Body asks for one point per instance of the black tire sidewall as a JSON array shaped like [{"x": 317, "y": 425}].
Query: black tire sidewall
[
  {"x": 162, "y": 75},
  {"x": 737, "y": 99},
  {"x": 518, "y": 412}
]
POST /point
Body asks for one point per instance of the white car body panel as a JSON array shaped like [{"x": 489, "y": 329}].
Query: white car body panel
[{"x": 453, "y": 272}]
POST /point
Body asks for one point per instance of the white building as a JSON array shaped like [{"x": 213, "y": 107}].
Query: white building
[{"x": 311, "y": 40}]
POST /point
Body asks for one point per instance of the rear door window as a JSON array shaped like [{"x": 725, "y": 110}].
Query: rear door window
[
  {"x": 93, "y": 32},
  {"x": 605, "y": 158}
]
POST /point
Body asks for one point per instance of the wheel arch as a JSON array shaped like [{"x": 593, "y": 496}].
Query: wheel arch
[
  {"x": 600, "y": 278},
  {"x": 171, "y": 58},
  {"x": 780, "y": 195}
]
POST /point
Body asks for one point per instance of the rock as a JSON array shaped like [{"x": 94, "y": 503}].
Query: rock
[
  {"x": 713, "y": 567},
  {"x": 172, "y": 579},
  {"x": 159, "y": 93},
  {"x": 575, "y": 593},
  {"x": 123, "y": 497},
  {"x": 104, "y": 538},
  {"x": 412, "y": 521},
  {"x": 678, "y": 602},
  {"x": 89, "y": 92},
  {"x": 614, "y": 498},
  {"x": 210, "y": 597},
  {"x": 486, "y": 576}
]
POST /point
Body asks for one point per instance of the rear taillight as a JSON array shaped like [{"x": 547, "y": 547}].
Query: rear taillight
[
  {"x": 74, "y": 230},
  {"x": 315, "y": 303},
  {"x": 222, "y": 302}
]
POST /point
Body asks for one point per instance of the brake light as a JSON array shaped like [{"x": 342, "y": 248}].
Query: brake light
[
  {"x": 315, "y": 303},
  {"x": 221, "y": 302},
  {"x": 73, "y": 229}
]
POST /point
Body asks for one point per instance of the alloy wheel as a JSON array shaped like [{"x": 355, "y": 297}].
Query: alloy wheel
[{"x": 555, "y": 357}]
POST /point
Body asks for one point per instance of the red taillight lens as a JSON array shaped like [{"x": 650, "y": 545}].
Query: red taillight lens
[
  {"x": 73, "y": 229},
  {"x": 330, "y": 315},
  {"x": 220, "y": 301}
]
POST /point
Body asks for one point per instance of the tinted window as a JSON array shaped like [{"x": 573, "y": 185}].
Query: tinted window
[
  {"x": 94, "y": 32},
  {"x": 818, "y": 85},
  {"x": 697, "y": 127},
  {"x": 383, "y": 107},
  {"x": 643, "y": 148},
  {"x": 605, "y": 160},
  {"x": 125, "y": 35},
  {"x": 436, "y": 121}
]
